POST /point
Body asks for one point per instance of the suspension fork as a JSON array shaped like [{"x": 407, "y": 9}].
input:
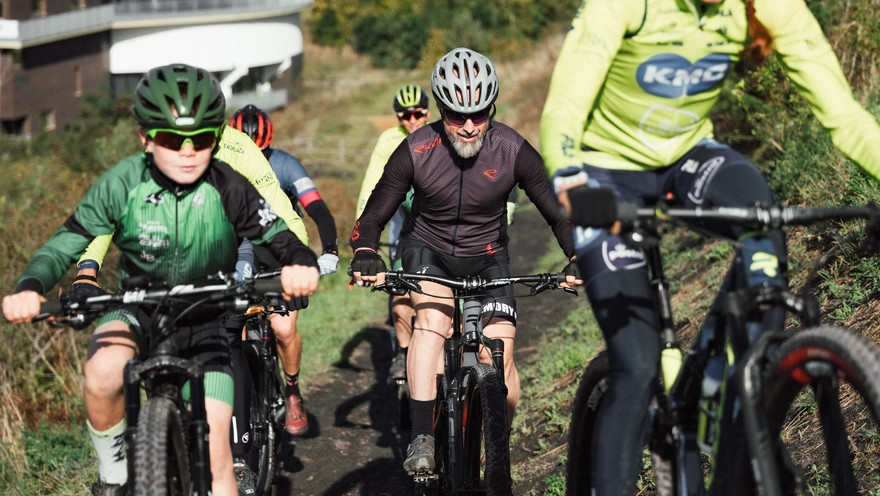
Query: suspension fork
[{"x": 751, "y": 360}]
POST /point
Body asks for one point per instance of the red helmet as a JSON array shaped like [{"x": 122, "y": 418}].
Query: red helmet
[{"x": 254, "y": 122}]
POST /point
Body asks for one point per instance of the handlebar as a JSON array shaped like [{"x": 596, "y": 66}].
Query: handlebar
[
  {"x": 401, "y": 282},
  {"x": 238, "y": 296},
  {"x": 597, "y": 207}
]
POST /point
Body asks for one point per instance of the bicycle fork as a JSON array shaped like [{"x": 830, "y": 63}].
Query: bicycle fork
[
  {"x": 738, "y": 305},
  {"x": 136, "y": 372}
]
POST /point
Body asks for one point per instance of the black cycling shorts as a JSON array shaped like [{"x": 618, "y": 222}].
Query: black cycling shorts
[
  {"x": 418, "y": 256},
  {"x": 205, "y": 343}
]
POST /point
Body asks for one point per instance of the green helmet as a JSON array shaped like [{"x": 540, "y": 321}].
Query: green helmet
[
  {"x": 193, "y": 92},
  {"x": 410, "y": 97}
]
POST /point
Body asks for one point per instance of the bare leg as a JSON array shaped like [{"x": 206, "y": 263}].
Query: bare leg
[{"x": 506, "y": 331}]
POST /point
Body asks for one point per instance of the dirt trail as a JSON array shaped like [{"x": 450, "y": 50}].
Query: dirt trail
[{"x": 355, "y": 445}]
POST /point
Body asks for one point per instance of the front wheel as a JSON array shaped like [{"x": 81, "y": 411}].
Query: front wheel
[
  {"x": 823, "y": 404},
  {"x": 161, "y": 457},
  {"x": 584, "y": 420},
  {"x": 486, "y": 452}
]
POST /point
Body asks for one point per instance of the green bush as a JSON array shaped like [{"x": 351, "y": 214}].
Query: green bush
[
  {"x": 82, "y": 138},
  {"x": 395, "y": 34}
]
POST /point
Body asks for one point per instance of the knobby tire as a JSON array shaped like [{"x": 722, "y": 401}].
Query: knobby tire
[
  {"x": 585, "y": 411},
  {"x": 822, "y": 388},
  {"x": 161, "y": 457},
  {"x": 484, "y": 432},
  {"x": 263, "y": 425}
]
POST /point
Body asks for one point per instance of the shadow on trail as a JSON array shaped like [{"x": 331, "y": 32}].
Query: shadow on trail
[{"x": 372, "y": 445}]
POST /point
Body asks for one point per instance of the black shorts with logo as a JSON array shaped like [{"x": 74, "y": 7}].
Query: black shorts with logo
[{"x": 418, "y": 256}]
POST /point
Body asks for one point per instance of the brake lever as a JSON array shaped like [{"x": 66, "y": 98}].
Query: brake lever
[{"x": 544, "y": 286}]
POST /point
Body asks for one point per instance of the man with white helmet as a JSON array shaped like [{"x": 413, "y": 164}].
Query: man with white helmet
[{"x": 461, "y": 168}]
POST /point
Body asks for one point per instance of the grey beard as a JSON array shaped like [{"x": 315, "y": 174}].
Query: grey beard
[{"x": 465, "y": 150}]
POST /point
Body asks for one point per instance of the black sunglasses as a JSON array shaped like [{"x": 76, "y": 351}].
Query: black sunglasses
[
  {"x": 408, "y": 114},
  {"x": 459, "y": 119}
]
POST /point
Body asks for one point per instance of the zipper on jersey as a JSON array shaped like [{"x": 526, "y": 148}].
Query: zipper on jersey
[
  {"x": 701, "y": 19},
  {"x": 176, "y": 238},
  {"x": 458, "y": 212}
]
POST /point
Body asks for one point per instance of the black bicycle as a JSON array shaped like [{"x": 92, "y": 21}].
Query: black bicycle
[
  {"x": 267, "y": 409},
  {"x": 793, "y": 388},
  {"x": 166, "y": 437},
  {"x": 470, "y": 426}
]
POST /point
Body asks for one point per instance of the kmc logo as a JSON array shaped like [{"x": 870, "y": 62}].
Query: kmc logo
[{"x": 670, "y": 75}]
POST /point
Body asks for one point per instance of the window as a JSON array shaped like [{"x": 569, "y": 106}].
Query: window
[
  {"x": 47, "y": 120},
  {"x": 38, "y": 8},
  {"x": 77, "y": 81}
]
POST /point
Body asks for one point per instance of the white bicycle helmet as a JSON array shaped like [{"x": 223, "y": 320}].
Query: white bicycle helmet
[{"x": 464, "y": 81}]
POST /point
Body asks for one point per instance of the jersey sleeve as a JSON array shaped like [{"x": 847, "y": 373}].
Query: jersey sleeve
[
  {"x": 589, "y": 48},
  {"x": 531, "y": 178},
  {"x": 390, "y": 192},
  {"x": 237, "y": 150},
  {"x": 813, "y": 67},
  {"x": 293, "y": 178},
  {"x": 95, "y": 218},
  {"x": 386, "y": 145},
  {"x": 254, "y": 218},
  {"x": 97, "y": 249}
]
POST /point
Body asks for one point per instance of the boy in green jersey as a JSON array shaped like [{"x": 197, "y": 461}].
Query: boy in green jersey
[{"x": 177, "y": 215}]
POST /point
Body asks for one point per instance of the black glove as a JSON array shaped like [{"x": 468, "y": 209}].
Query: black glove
[
  {"x": 79, "y": 291},
  {"x": 368, "y": 263},
  {"x": 572, "y": 269}
]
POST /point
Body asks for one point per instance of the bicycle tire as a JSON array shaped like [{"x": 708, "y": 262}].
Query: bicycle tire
[
  {"x": 814, "y": 357},
  {"x": 486, "y": 452},
  {"x": 161, "y": 456},
  {"x": 439, "y": 486},
  {"x": 265, "y": 427},
  {"x": 585, "y": 411}
]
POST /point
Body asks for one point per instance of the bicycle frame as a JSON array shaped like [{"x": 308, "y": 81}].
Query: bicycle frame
[
  {"x": 462, "y": 351},
  {"x": 163, "y": 373},
  {"x": 678, "y": 408}
]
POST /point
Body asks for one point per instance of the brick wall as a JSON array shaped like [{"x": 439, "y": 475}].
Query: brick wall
[
  {"x": 16, "y": 9},
  {"x": 47, "y": 81}
]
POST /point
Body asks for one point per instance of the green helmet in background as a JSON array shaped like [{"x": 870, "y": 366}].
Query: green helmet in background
[
  {"x": 193, "y": 92},
  {"x": 409, "y": 97}
]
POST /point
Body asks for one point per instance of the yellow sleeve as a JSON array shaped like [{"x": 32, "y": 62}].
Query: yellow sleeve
[
  {"x": 388, "y": 142},
  {"x": 97, "y": 249},
  {"x": 589, "y": 48},
  {"x": 813, "y": 67},
  {"x": 237, "y": 150}
]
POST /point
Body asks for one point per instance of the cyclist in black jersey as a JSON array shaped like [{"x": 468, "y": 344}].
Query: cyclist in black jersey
[{"x": 461, "y": 169}]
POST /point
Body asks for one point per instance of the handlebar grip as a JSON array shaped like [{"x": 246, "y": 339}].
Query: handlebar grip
[
  {"x": 51, "y": 307},
  {"x": 264, "y": 286}
]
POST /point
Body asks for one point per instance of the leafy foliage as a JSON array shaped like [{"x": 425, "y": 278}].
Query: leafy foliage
[
  {"x": 84, "y": 141},
  {"x": 397, "y": 34}
]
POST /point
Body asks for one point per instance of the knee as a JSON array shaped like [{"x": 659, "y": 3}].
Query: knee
[
  {"x": 285, "y": 328},
  {"x": 738, "y": 184},
  {"x": 103, "y": 374}
]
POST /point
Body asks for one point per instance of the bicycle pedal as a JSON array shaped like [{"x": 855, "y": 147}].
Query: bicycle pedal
[{"x": 424, "y": 478}]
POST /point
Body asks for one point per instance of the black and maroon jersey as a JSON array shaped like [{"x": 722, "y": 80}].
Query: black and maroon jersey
[{"x": 459, "y": 207}]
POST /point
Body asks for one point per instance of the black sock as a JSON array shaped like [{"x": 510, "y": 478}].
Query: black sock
[
  {"x": 292, "y": 383},
  {"x": 422, "y": 415},
  {"x": 402, "y": 351}
]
